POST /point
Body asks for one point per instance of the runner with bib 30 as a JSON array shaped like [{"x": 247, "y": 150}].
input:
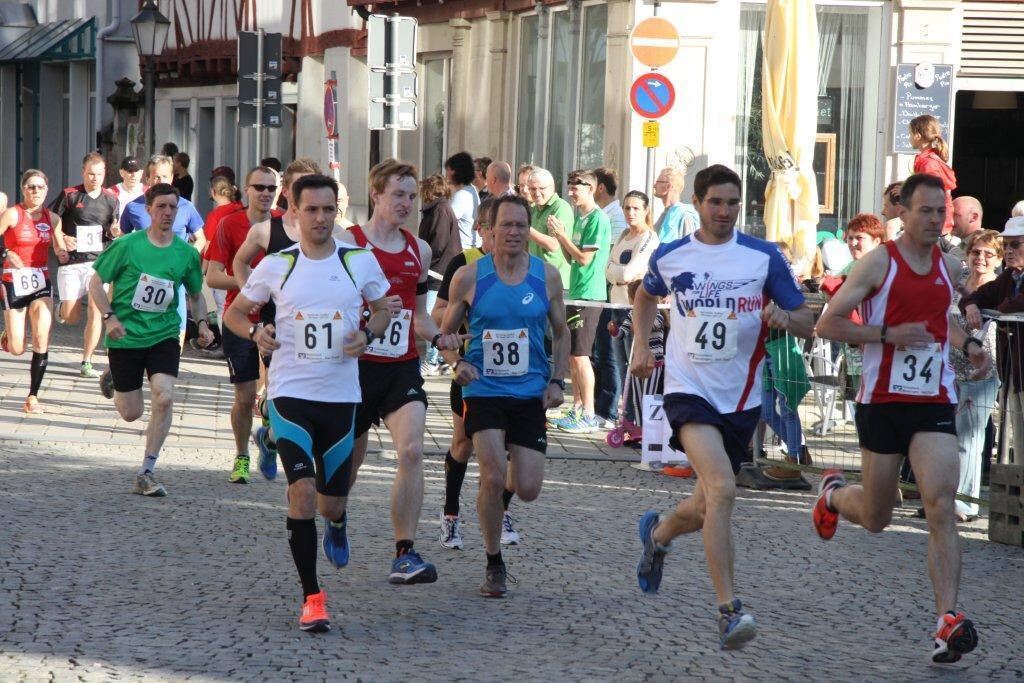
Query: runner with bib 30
[{"x": 906, "y": 406}]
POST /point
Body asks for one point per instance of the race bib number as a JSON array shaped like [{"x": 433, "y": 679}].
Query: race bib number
[
  {"x": 27, "y": 281},
  {"x": 318, "y": 336},
  {"x": 152, "y": 294},
  {"x": 396, "y": 337},
  {"x": 506, "y": 352},
  {"x": 89, "y": 239},
  {"x": 711, "y": 334},
  {"x": 916, "y": 370}
]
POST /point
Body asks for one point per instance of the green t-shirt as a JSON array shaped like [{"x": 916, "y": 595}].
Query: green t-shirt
[
  {"x": 146, "y": 279},
  {"x": 589, "y": 232},
  {"x": 560, "y": 209}
]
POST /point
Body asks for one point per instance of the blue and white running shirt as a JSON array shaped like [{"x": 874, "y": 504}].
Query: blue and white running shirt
[{"x": 715, "y": 347}]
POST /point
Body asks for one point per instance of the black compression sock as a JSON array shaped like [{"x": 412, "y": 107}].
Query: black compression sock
[
  {"x": 36, "y": 371},
  {"x": 302, "y": 540},
  {"x": 454, "y": 475},
  {"x": 494, "y": 560},
  {"x": 506, "y": 498},
  {"x": 402, "y": 547}
]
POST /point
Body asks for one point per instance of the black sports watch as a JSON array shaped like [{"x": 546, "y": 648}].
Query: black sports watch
[
  {"x": 971, "y": 340},
  {"x": 559, "y": 382},
  {"x": 108, "y": 315}
]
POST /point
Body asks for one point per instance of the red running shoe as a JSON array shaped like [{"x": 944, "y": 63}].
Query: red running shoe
[
  {"x": 955, "y": 638},
  {"x": 825, "y": 519},
  {"x": 314, "y": 613}
]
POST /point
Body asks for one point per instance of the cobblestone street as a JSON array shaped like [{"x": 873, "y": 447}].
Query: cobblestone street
[{"x": 99, "y": 584}]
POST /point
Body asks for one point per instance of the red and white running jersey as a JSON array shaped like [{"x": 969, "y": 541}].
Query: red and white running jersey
[
  {"x": 30, "y": 239},
  {"x": 895, "y": 374},
  {"x": 403, "y": 270}
]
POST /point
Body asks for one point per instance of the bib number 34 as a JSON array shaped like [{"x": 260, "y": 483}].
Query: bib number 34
[{"x": 916, "y": 370}]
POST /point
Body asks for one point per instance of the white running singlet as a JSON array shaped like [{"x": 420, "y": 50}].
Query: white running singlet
[
  {"x": 318, "y": 305},
  {"x": 716, "y": 343}
]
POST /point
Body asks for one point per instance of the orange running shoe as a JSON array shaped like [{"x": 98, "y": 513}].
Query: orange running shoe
[
  {"x": 955, "y": 638},
  {"x": 314, "y": 613},
  {"x": 825, "y": 519}
]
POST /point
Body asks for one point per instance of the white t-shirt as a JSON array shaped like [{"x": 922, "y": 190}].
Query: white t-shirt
[
  {"x": 617, "y": 219},
  {"x": 464, "y": 203},
  {"x": 715, "y": 347},
  {"x": 318, "y": 305},
  {"x": 125, "y": 196}
]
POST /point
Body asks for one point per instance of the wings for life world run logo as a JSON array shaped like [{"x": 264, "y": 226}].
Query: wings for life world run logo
[{"x": 692, "y": 290}]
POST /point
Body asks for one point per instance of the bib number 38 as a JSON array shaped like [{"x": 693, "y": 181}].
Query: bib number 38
[
  {"x": 506, "y": 352},
  {"x": 711, "y": 334},
  {"x": 916, "y": 370},
  {"x": 153, "y": 294}
]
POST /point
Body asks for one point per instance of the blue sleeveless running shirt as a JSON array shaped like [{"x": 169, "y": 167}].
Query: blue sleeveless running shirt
[{"x": 508, "y": 323}]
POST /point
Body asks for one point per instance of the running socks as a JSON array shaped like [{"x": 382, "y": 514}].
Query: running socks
[
  {"x": 148, "y": 463},
  {"x": 402, "y": 547},
  {"x": 302, "y": 541},
  {"x": 494, "y": 560},
  {"x": 36, "y": 372},
  {"x": 506, "y": 498},
  {"x": 454, "y": 475},
  {"x": 340, "y": 522}
]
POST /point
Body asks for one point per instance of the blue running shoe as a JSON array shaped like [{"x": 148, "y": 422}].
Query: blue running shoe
[
  {"x": 557, "y": 422},
  {"x": 268, "y": 456},
  {"x": 336, "y": 547},
  {"x": 648, "y": 572},
  {"x": 410, "y": 568},
  {"x": 580, "y": 424},
  {"x": 735, "y": 628}
]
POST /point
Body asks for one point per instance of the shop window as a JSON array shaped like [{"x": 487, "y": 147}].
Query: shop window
[
  {"x": 847, "y": 102},
  {"x": 436, "y": 79},
  {"x": 544, "y": 142}
]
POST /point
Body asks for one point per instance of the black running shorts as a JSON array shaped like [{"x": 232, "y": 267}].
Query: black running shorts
[
  {"x": 890, "y": 427},
  {"x": 242, "y": 356},
  {"x": 314, "y": 439},
  {"x": 9, "y": 302},
  {"x": 127, "y": 365},
  {"x": 582, "y": 322},
  {"x": 522, "y": 419},
  {"x": 737, "y": 428},
  {"x": 386, "y": 388}
]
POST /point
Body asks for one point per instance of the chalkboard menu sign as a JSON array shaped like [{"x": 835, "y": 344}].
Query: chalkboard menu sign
[{"x": 913, "y": 101}]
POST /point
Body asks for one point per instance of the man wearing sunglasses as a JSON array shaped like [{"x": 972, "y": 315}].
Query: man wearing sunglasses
[{"x": 240, "y": 353}]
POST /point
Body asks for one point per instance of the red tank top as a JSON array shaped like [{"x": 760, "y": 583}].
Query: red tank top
[
  {"x": 403, "y": 270},
  {"x": 29, "y": 238},
  {"x": 901, "y": 374}
]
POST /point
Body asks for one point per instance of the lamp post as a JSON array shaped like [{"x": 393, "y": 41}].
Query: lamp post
[{"x": 150, "y": 29}]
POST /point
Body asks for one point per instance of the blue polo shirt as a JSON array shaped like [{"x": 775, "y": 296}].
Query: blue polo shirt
[{"x": 186, "y": 222}]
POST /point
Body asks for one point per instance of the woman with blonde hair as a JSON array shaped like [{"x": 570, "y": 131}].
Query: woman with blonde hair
[{"x": 933, "y": 158}]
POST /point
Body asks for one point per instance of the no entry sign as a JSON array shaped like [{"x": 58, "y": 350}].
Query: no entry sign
[
  {"x": 652, "y": 96},
  {"x": 654, "y": 42}
]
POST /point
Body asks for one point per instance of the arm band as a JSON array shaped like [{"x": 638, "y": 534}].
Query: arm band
[{"x": 421, "y": 288}]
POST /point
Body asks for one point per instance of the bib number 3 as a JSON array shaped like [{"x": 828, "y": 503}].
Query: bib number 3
[
  {"x": 916, "y": 370},
  {"x": 396, "y": 337},
  {"x": 318, "y": 336},
  {"x": 153, "y": 294},
  {"x": 506, "y": 352},
  {"x": 711, "y": 334}
]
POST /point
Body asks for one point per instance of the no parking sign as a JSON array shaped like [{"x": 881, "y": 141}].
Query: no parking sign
[{"x": 652, "y": 95}]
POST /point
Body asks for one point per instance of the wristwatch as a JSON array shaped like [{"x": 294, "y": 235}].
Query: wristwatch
[
  {"x": 559, "y": 382},
  {"x": 433, "y": 342},
  {"x": 108, "y": 315},
  {"x": 971, "y": 340},
  {"x": 253, "y": 330}
]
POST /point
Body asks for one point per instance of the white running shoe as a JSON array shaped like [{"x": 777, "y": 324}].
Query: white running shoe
[
  {"x": 451, "y": 532},
  {"x": 509, "y": 536}
]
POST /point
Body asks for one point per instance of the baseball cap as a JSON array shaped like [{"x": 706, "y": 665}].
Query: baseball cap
[{"x": 130, "y": 164}]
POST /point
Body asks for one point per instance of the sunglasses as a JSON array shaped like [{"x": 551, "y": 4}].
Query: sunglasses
[
  {"x": 263, "y": 188},
  {"x": 1014, "y": 244},
  {"x": 580, "y": 182}
]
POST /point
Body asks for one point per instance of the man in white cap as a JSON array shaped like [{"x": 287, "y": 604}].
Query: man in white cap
[{"x": 1006, "y": 295}]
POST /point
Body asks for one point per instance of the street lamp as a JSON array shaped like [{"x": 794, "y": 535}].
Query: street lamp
[{"x": 150, "y": 29}]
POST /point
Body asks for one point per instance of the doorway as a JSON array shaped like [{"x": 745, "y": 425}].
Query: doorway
[{"x": 988, "y": 154}]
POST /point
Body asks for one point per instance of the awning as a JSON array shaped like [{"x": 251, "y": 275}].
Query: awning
[{"x": 56, "y": 41}]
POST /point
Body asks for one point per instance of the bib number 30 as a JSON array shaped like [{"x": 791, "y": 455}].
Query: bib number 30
[
  {"x": 916, "y": 371},
  {"x": 153, "y": 294}
]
